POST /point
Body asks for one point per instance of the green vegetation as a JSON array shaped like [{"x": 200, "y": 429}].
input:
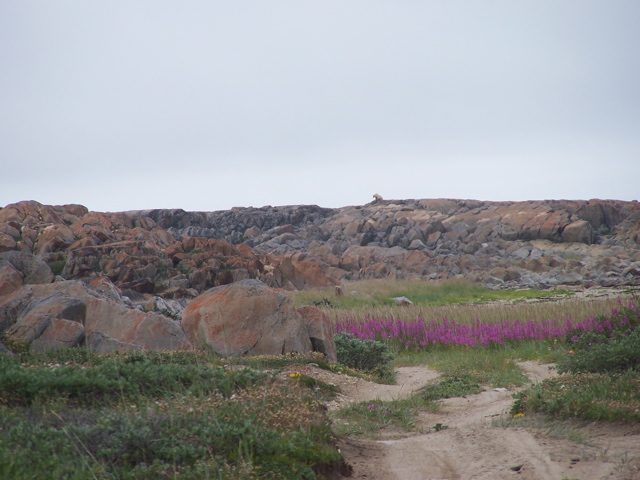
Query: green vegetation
[
  {"x": 184, "y": 267},
  {"x": 600, "y": 374},
  {"x": 57, "y": 266},
  {"x": 368, "y": 355},
  {"x": 589, "y": 396},
  {"x": 492, "y": 366},
  {"x": 455, "y": 300},
  {"x": 373, "y": 293},
  {"x": 452, "y": 386},
  {"x": 74, "y": 415},
  {"x": 369, "y": 418}
]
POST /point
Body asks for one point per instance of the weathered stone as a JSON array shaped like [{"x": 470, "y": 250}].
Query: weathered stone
[
  {"x": 54, "y": 238},
  {"x": 60, "y": 333},
  {"x": 104, "y": 344},
  {"x": 135, "y": 251},
  {"x": 505, "y": 274},
  {"x": 245, "y": 318},
  {"x": 37, "y": 316},
  {"x": 252, "y": 232},
  {"x": 32, "y": 267},
  {"x": 578, "y": 231},
  {"x": 416, "y": 245},
  {"x": 354, "y": 228},
  {"x": 320, "y": 330},
  {"x": 433, "y": 238},
  {"x": 10, "y": 278},
  {"x": 29, "y": 312},
  {"x": 303, "y": 275},
  {"x": 7, "y": 243}
]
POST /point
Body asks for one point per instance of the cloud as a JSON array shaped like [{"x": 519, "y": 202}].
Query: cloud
[{"x": 287, "y": 103}]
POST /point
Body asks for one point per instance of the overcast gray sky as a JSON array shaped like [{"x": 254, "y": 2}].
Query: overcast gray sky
[{"x": 207, "y": 105}]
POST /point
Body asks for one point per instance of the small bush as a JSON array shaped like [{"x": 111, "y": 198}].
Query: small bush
[
  {"x": 591, "y": 396},
  {"x": 610, "y": 346},
  {"x": 591, "y": 353},
  {"x": 370, "y": 417},
  {"x": 116, "y": 378},
  {"x": 453, "y": 386},
  {"x": 57, "y": 266},
  {"x": 158, "y": 415},
  {"x": 368, "y": 355}
]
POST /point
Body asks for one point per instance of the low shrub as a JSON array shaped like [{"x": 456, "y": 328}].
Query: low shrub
[
  {"x": 452, "y": 386},
  {"x": 590, "y": 396},
  {"x": 116, "y": 378},
  {"x": 147, "y": 415},
  {"x": 367, "y": 355},
  {"x": 591, "y": 353},
  {"x": 611, "y": 345}
]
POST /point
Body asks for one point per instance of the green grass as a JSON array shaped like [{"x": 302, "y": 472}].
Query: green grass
[
  {"x": 490, "y": 366},
  {"x": 373, "y": 293},
  {"x": 454, "y": 300},
  {"x": 70, "y": 414},
  {"x": 452, "y": 386},
  {"x": 588, "y": 396},
  {"x": 373, "y": 417},
  {"x": 599, "y": 377},
  {"x": 57, "y": 266}
]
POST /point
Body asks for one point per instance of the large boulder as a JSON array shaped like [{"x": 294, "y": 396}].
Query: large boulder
[
  {"x": 32, "y": 268},
  {"x": 578, "y": 231},
  {"x": 10, "y": 278},
  {"x": 65, "y": 314},
  {"x": 247, "y": 318}
]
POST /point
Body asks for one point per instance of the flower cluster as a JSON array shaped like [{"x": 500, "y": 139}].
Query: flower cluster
[
  {"x": 421, "y": 333},
  {"x": 374, "y": 408}
]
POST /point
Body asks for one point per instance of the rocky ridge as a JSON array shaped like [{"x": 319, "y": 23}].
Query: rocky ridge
[
  {"x": 539, "y": 244},
  {"x": 179, "y": 254},
  {"x": 126, "y": 280}
]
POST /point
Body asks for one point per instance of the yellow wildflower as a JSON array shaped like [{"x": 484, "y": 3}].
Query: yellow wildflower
[{"x": 518, "y": 415}]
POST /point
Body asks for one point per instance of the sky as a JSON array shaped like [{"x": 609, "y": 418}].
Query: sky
[{"x": 207, "y": 105}]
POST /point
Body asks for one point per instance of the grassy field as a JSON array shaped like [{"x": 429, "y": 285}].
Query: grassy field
[
  {"x": 455, "y": 300},
  {"x": 71, "y": 414}
]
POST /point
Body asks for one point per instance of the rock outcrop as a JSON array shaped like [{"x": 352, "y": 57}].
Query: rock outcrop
[
  {"x": 249, "y": 318},
  {"x": 178, "y": 254},
  {"x": 72, "y": 313},
  {"x": 537, "y": 243},
  {"x": 120, "y": 281},
  {"x": 136, "y": 253}
]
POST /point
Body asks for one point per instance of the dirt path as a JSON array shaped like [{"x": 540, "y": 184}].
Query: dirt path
[{"x": 473, "y": 446}]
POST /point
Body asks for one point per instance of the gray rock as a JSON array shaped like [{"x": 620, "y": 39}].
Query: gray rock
[
  {"x": 245, "y": 318},
  {"x": 402, "y": 301},
  {"x": 60, "y": 333},
  {"x": 32, "y": 267},
  {"x": 104, "y": 344},
  {"x": 417, "y": 245}
]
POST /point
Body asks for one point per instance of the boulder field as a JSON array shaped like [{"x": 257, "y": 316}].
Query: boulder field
[
  {"x": 118, "y": 281},
  {"x": 242, "y": 318},
  {"x": 533, "y": 244}
]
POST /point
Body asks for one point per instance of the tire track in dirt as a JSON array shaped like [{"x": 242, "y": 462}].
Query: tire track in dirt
[{"x": 470, "y": 448}]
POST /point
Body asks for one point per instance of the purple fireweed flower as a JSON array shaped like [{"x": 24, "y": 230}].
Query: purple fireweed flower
[{"x": 421, "y": 333}]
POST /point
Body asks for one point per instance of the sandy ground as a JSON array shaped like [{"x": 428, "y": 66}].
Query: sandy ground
[{"x": 475, "y": 445}]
